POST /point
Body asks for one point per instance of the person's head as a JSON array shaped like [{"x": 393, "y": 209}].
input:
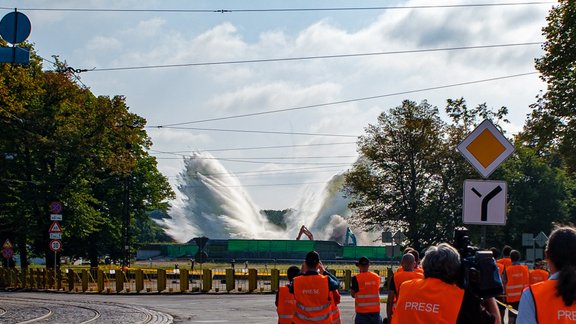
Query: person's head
[
  {"x": 506, "y": 251},
  {"x": 442, "y": 262},
  {"x": 408, "y": 262},
  {"x": 312, "y": 260},
  {"x": 416, "y": 257},
  {"x": 495, "y": 252},
  {"x": 293, "y": 272},
  {"x": 561, "y": 257},
  {"x": 363, "y": 264},
  {"x": 538, "y": 264},
  {"x": 515, "y": 256},
  {"x": 408, "y": 249}
]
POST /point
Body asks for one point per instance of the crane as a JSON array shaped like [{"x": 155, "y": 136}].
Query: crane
[{"x": 305, "y": 231}]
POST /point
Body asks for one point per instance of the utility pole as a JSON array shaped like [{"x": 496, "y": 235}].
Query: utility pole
[{"x": 126, "y": 218}]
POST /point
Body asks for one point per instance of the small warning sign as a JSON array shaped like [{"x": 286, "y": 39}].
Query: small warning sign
[
  {"x": 55, "y": 228},
  {"x": 7, "y": 244}
]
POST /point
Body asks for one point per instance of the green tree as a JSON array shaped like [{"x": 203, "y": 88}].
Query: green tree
[
  {"x": 88, "y": 152},
  {"x": 551, "y": 128},
  {"x": 396, "y": 181}
]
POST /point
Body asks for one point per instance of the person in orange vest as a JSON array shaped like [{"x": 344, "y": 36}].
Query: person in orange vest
[
  {"x": 516, "y": 278},
  {"x": 334, "y": 310},
  {"x": 365, "y": 289},
  {"x": 408, "y": 263},
  {"x": 499, "y": 264},
  {"x": 538, "y": 273},
  {"x": 554, "y": 300},
  {"x": 505, "y": 260},
  {"x": 285, "y": 302},
  {"x": 312, "y": 291},
  {"x": 437, "y": 298},
  {"x": 416, "y": 255}
]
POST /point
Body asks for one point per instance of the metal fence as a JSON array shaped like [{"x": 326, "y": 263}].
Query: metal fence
[{"x": 217, "y": 280}]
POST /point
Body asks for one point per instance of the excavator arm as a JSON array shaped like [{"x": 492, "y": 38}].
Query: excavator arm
[{"x": 305, "y": 231}]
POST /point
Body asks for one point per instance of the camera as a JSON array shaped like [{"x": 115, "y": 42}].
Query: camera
[{"x": 479, "y": 272}]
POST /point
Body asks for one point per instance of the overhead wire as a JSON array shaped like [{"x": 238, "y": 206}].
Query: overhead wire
[
  {"x": 469, "y": 5},
  {"x": 260, "y": 147},
  {"x": 275, "y": 111},
  {"x": 315, "y": 57},
  {"x": 257, "y": 131}
]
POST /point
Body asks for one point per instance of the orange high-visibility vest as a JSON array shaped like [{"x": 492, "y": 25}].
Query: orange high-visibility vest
[
  {"x": 517, "y": 278},
  {"x": 400, "y": 277},
  {"x": 367, "y": 299},
  {"x": 312, "y": 299},
  {"x": 538, "y": 275},
  {"x": 428, "y": 300},
  {"x": 549, "y": 307},
  {"x": 286, "y": 306},
  {"x": 334, "y": 310},
  {"x": 417, "y": 269},
  {"x": 505, "y": 261},
  {"x": 500, "y": 268}
]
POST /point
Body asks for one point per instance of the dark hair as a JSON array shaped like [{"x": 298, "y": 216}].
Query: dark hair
[
  {"x": 560, "y": 251},
  {"x": 506, "y": 251},
  {"x": 442, "y": 262},
  {"x": 416, "y": 255},
  {"x": 515, "y": 256},
  {"x": 312, "y": 259},
  {"x": 293, "y": 272},
  {"x": 495, "y": 252}
]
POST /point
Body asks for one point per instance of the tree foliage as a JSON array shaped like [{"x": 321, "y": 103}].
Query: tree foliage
[{"x": 60, "y": 142}]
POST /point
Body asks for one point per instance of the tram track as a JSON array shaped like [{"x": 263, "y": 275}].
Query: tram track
[{"x": 41, "y": 310}]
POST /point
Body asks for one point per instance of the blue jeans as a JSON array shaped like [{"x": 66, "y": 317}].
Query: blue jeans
[{"x": 368, "y": 318}]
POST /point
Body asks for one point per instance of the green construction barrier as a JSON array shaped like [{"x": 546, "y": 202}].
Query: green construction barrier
[
  {"x": 206, "y": 280},
  {"x": 161, "y": 280},
  {"x": 100, "y": 280},
  {"x": 119, "y": 277},
  {"x": 252, "y": 279},
  {"x": 84, "y": 280},
  {"x": 139, "y": 280},
  {"x": 275, "y": 280},
  {"x": 230, "y": 280},
  {"x": 184, "y": 283}
]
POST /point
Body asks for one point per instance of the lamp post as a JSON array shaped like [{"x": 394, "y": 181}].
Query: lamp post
[{"x": 126, "y": 218}]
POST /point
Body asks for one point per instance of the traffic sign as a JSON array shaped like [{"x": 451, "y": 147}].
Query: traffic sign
[
  {"x": 55, "y": 227},
  {"x": 485, "y": 202},
  {"x": 7, "y": 244},
  {"x": 399, "y": 237},
  {"x": 55, "y": 236},
  {"x": 541, "y": 239},
  {"x": 55, "y": 207},
  {"x": 527, "y": 239},
  {"x": 55, "y": 245},
  {"x": 15, "y": 27},
  {"x": 7, "y": 253},
  {"x": 56, "y": 217},
  {"x": 486, "y": 148}
]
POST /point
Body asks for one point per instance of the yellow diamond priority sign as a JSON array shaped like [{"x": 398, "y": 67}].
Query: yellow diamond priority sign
[{"x": 486, "y": 148}]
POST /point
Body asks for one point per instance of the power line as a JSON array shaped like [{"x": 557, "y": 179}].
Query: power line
[
  {"x": 267, "y": 112},
  {"x": 472, "y": 5},
  {"x": 259, "y": 185},
  {"x": 261, "y": 147},
  {"x": 264, "y": 162},
  {"x": 266, "y": 171},
  {"x": 302, "y": 58},
  {"x": 267, "y": 158},
  {"x": 262, "y": 174},
  {"x": 252, "y": 131}
]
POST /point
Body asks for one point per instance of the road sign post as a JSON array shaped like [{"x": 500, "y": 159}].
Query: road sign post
[{"x": 485, "y": 148}]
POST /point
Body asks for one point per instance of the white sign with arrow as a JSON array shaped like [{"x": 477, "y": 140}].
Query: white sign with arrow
[{"x": 485, "y": 202}]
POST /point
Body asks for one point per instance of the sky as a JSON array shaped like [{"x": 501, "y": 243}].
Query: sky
[{"x": 277, "y": 152}]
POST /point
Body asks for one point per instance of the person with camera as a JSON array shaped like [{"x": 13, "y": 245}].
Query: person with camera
[
  {"x": 516, "y": 278},
  {"x": 554, "y": 300},
  {"x": 312, "y": 291},
  {"x": 437, "y": 298}
]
